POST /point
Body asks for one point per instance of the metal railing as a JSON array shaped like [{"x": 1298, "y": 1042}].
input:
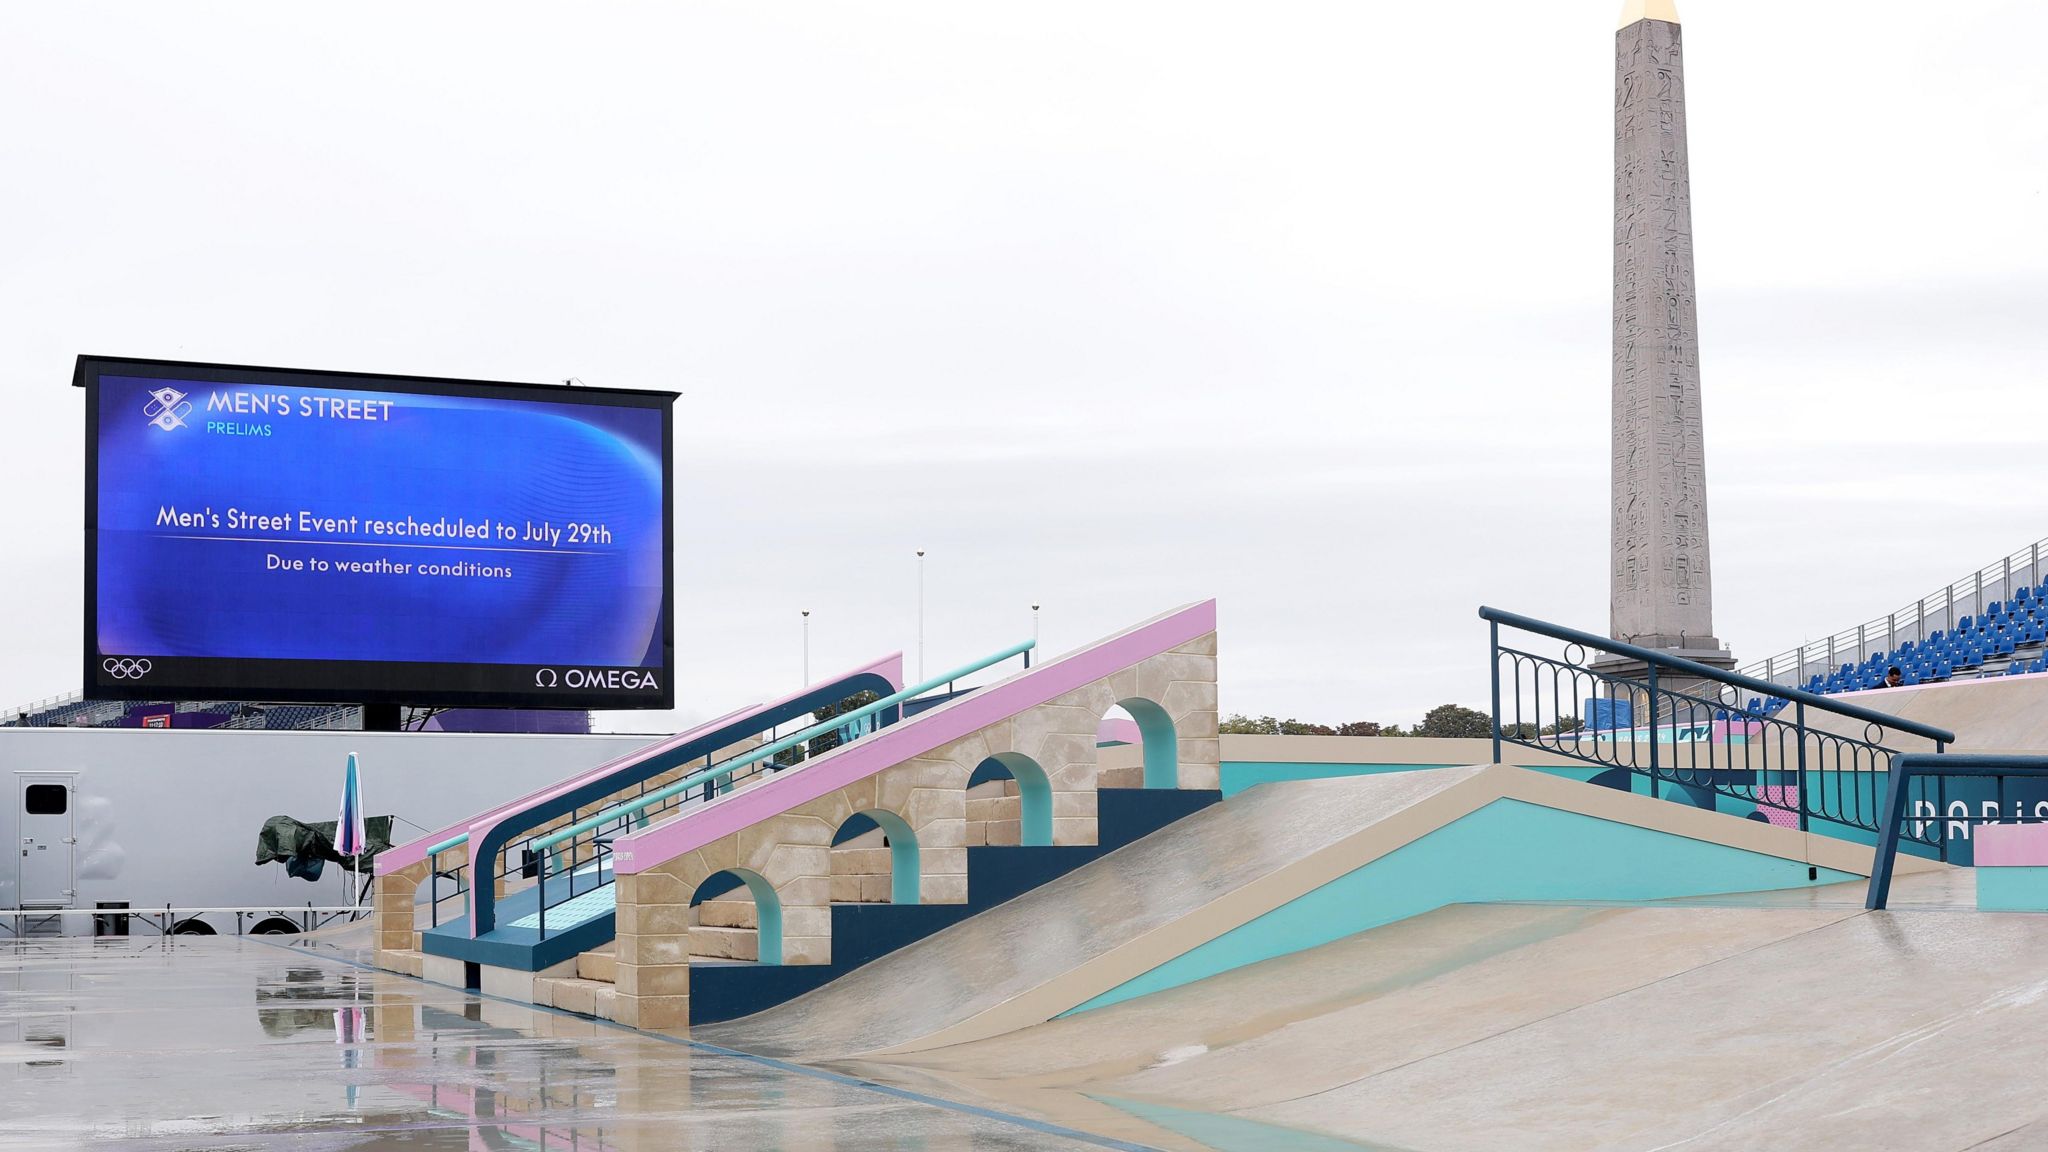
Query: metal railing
[
  {"x": 522, "y": 859},
  {"x": 1939, "y": 611},
  {"x": 312, "y": 717},
  {"x": 165, "y": 920},
  {"x": 14, "y": 717},
  {"x": 1951, "y": 795},
  {"x": 1673, "y": 724},
  {"x": 582, "y": 846},
  {"x": 73, "y": 711}
]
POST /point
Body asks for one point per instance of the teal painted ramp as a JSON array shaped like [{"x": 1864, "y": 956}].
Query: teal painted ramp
[{"x": 1509, "y": 850}]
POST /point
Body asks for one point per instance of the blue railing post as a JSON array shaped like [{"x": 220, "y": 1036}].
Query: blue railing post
[
  {"x": 433, "y": 892},
  {"x": 1653, "y": 729},
  {"x": 1887, "y": 836},
  {"x": 1799, "y": 733},
  {"x": 1493, "y": 631}
]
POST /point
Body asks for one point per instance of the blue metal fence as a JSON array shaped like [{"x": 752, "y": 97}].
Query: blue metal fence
[
  {"x": 1688, "y": 736},
  {"x": 1930, "y": 799}
]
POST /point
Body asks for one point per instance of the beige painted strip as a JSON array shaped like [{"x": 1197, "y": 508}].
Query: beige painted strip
[
  {"x": 1246, "y": 903},
  {"x": 1378, "y": 750}
]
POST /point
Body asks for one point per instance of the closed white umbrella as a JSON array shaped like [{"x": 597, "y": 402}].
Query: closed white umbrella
[{"x": 350, "y": 835}]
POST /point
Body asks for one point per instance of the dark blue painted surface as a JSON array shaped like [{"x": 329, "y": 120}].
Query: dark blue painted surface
[
  {"x": 862, "y": 933},
  {"x": 1130, "y": 814},
  {"x": 521, "y": 949},
  {"x": 715, "y": 885},
  {"x": 1005, "y": 873}
]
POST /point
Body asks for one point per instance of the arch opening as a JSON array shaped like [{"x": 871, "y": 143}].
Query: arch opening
[
  {"x": 724, "y": 927},
  {"x": 875, "y": 860},
  {"x": 1009, "y": 790},
  {"x": 1160, "y": 742}
]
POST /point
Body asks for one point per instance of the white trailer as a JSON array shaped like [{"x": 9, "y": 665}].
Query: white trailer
[{"x": 157, "y": 818}]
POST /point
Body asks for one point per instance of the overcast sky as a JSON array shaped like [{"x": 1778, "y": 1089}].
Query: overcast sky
[{"x": 1109, "y": 306}]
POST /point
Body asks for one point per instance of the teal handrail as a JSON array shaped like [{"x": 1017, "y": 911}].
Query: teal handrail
[{"x": 766, "y": 751}]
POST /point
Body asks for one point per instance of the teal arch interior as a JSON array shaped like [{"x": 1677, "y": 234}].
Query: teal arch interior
[
  {"x": 1161, "y": 744},
  {"x": 903, "y": 864},
  {"x": 767, "y": 906},
  {"x": 1034, "y": 790}
]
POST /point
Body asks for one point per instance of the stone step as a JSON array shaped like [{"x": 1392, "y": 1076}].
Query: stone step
[
  {"x": 995, "y": 808},
  {"x": 599, "y": 964},
  {"x": 1127, "y": 776},
  {"x": 860, "y": 861},
  {"x": 861, "y": 889},
  {"x": 587, "y": 997},
  {"x": 714, "y": 943},
  {"x": 728, "y": 914}
]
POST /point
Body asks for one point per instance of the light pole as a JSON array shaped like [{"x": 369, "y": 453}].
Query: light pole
[
  {"x": 920, "y": 615},
  {"x": 807, "y": 646}
]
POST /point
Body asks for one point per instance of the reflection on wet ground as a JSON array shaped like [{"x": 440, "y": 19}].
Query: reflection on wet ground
[
  {"x": 1781, "y": 1021},
  {"x": 189, "y": 1043},
  {"x": 1714, "y": 1022}
]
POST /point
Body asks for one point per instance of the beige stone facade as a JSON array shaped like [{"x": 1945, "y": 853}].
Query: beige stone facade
[
  {"x": 397, "y": 895},
  {"x": 792, "y": 852}
]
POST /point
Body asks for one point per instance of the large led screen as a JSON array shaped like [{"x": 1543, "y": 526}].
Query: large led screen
[{"x": 263, "y": 534}]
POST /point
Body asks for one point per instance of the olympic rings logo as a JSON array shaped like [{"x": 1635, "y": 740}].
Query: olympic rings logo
[{"x": 122, "y": 668}]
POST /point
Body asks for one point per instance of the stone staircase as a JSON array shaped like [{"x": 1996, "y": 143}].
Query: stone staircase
[
  {"x": 586, "y": 985},
  {"x": 724, "y": 929}
]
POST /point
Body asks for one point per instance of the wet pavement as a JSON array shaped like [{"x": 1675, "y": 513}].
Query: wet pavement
[
  {"x": 1767, "y": 1021},
  {"x": 1772, "y": 1022},
  {"x": 212, "y": 1043}
]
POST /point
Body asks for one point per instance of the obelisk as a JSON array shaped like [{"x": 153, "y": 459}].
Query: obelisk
[{"x": 1661, "y": 583}]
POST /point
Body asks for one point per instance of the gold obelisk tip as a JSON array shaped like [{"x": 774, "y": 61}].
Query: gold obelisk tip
[{"x": 1634, "y": 10}]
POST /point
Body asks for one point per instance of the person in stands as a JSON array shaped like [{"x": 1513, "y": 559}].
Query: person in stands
[{"x": 1893, "y": 677}]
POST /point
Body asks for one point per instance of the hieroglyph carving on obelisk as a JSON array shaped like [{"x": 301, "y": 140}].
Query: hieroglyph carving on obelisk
[{"x": 1662, "y": 591}]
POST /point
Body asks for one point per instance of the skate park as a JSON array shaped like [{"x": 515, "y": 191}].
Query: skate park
[
  {"x": 1341, "y": 955},
  {"x": 1299, "y": 415}
]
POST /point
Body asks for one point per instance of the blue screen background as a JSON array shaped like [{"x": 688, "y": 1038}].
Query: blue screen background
[{"x": 480, "y": 458}]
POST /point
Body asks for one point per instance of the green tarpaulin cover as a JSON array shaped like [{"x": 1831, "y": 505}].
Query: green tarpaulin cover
[{"x": 305, "y": 848}]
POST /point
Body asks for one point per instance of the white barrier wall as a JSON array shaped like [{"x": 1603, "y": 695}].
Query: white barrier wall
[{"x": 171, "y": 816}]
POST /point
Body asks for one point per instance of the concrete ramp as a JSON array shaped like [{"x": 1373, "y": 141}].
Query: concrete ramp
[
  {"x": 1791, "y": 1021},
  {"x": 994, "y": 972},
  {"x": 1996, "y": 713},
  {"x": 1280, "y": 869}
]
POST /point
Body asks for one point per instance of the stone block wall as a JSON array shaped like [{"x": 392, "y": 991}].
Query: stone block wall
[
  {"x": 394, "y": 900},
  {"x": 793, "y": 851},
  {"x": 994, "y": 813},
  {"x": 861, "y": 870}
]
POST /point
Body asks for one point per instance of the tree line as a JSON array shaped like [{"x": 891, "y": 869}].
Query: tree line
[{"x": 1453, "y": 721}]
